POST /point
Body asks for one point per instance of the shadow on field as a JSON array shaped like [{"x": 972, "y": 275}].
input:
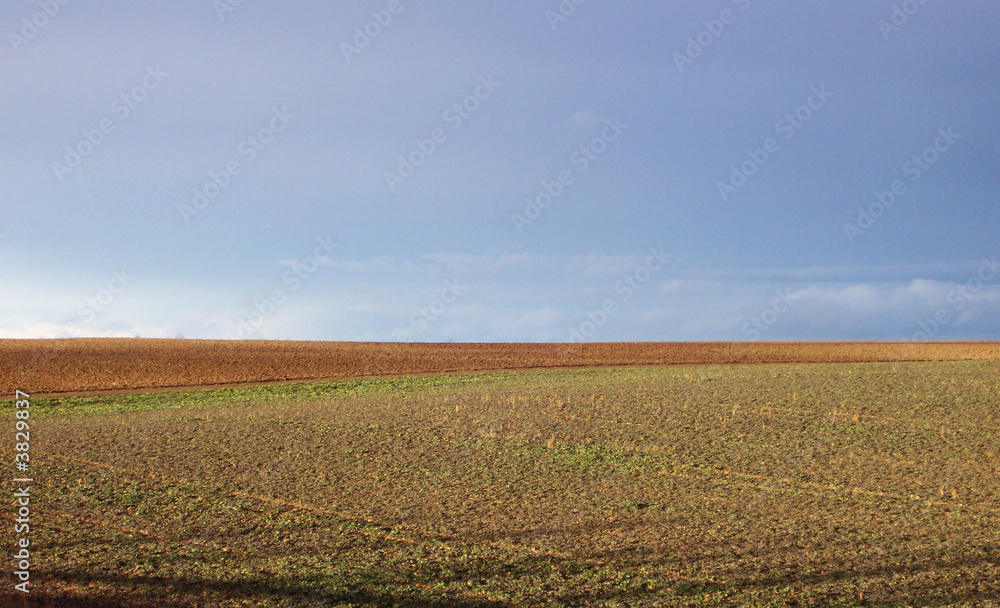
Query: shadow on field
[
  {"x": 934, "y": 578},
  {"x": 925, "y": 578},
  {"x": 883, "y": 581},
  {"x": 924, "y": 573},
  {"x": 163, "y": 592},
  {"x": 382, "y": 589}
]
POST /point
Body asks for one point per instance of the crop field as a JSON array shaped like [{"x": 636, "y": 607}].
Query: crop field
[
  {"x": 847, "y": 484},
  {"x": 102, "y": 364}
]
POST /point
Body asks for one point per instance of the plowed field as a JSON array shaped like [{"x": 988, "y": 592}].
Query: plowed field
[{"x": 94, "y": 365}]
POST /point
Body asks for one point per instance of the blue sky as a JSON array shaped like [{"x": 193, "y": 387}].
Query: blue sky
[{"x": 720, "y": 170}]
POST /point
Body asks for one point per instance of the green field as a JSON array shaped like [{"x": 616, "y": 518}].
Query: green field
[{"x": 808, "y": 485}]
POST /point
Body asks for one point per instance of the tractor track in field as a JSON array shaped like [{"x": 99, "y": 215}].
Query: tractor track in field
[{"x": 442, "y": 539}]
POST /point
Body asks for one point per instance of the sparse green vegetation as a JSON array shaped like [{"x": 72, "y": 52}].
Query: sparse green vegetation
[{"x": 808, "y": 485}]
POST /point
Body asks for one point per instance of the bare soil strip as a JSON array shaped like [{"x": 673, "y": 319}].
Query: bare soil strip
[{"x": 95, "y": 365}]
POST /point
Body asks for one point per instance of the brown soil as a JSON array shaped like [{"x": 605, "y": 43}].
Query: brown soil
[{"x": 96, "y": 365}]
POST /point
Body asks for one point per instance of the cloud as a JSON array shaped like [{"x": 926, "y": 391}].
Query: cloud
[
  {"x": 516, "y": 297},
  {"x": 292, "y": 263},
  {"x": 605, "y": 266}
]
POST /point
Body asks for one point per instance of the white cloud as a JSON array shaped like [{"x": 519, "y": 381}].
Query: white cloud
[{"x": 527, "y": 297}]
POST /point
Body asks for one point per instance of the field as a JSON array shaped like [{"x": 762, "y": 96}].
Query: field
[
  {"x": 91, "y": 365},
  {"x": 849, "y": 484}
]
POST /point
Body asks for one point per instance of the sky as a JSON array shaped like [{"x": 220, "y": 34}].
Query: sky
[{"x": 543, "y": 170}]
